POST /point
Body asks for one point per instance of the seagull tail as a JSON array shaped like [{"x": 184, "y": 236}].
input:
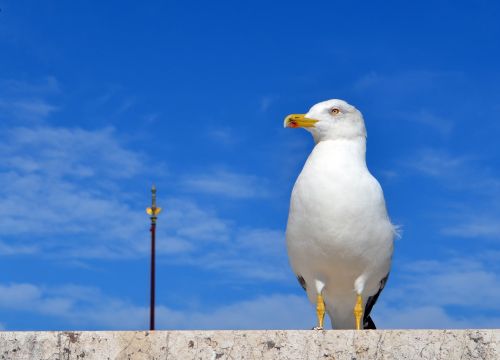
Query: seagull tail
[{"x": 368, "y": 323}]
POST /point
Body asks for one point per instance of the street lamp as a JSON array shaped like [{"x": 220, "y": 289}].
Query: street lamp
[{"x": 153, "y": 212}]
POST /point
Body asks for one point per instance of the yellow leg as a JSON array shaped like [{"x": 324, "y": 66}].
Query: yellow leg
[
  {"x": 320, "y": 311},
  {"x": 358, "y": 312}
]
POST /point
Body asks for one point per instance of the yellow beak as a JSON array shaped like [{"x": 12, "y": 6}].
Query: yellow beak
[{"x": 298, "y": 120}]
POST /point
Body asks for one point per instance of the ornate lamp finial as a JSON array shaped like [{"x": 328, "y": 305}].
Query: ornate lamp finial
[{"x": 153, "y": 211}]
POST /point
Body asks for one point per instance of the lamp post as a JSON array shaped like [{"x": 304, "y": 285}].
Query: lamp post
[{"x": 153, "y": 212}]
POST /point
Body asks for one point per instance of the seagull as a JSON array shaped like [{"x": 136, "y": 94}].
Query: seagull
[{"x": 339, "y": 236}]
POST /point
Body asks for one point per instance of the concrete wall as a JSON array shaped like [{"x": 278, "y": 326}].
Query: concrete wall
[{"x": 271, "y": 344}]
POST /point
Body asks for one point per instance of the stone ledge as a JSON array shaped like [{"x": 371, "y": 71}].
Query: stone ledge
[{"x": 265, "y": 344}]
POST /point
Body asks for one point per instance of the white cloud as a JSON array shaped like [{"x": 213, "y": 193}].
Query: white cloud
[
  {"x": 26, "y": 102},
  {"x": 458, "y": 282},
  {"x": 256, "y": 253},
  {"x": 437, "y": 163},
  {"x": 251, "y": 253},
  {"x": 276, "y": 311},
  {"x": 47, "y": 85},
  {"x": 457, "y": 172},
  {"x": 428, "y": 292},
  {"x": 467, "y": 177},
  {"x": 240, "y": 267},
  {"x": 32, "y": 109},
  {"x": 405, "y": 83},
  {"x": 428, "y": 317},
  {"x": 266, "y": 102},
  {"x": 262, "y": 242},
  {"x": 27, "y": 109},
  {"x": 8, "y": 249},
  {"x": 440, "y": 124},
  {"x": 474, "y": 226},
  {"x": 69, "y": 183},
  {"x": 224, "y": 136},
  {"x": 89, "y": 308},
  {"x": 226, "y": 183},
  {"x": 151, "y": 118},
  {"x": 185, "y": 218},
  {"x": 64, "y": 193},
  {"x": 397, "y": 96},
  {"x": 80, "y": 306},
  {"x": 69, "y": 152}
]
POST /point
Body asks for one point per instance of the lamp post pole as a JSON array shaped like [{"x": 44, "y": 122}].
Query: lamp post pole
[{"x": 153, "y": 212}]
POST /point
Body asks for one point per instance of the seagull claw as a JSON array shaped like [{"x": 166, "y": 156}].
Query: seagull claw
[{"x": 318, "y": 328}]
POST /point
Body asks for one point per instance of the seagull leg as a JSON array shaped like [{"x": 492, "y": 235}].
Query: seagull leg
[
  {"x": 320, "y": 312},
  {"x": 358, "y": 312}
]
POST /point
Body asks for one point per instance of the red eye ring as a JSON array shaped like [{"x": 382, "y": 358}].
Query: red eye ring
[{"x": 334, "y": 111}]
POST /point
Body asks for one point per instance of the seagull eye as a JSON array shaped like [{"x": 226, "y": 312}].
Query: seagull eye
[{"x": 334, "y": 111}]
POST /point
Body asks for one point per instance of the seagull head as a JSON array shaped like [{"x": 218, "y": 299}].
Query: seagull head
[{"x": 330, "y": 120}]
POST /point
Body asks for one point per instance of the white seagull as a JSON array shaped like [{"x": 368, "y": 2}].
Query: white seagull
[{"x": 339, "y": 236}]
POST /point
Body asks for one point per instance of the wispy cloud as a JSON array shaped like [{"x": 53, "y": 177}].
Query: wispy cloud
[
  {"x": 80, "y": 306},
  {"x": 429, "y": 317},
  {"x": 74, "y": 184},
  {"x": 151, "y": 118},
  {"x": 9, "y": 249},
  {"x": 27, "y": 102},
  {"x": 69, "y": 152},
  {"x": 226, "y": 183},
  {"x": 474, "y": 226},
  {"x": 251, "y": 253},
  {"x": 439, "y": 163},
  {"x": 90, "y": 308},
  {"x": 275, "y": 311},
  {"x": 68, "y": 182},
  {"x": 216, "y": 244},
  {"x": 27, "y": 109},
  {"x": 266, "y": 102},
  {"x": 463, "y": 172},
  {"x": 467, "y": 177},
  {"x": 46, "y": 85},
  {"x": 262, "y": 242},
  {"x": 429, "y": 291},
  {"x": 189, "y": 220},
  {"x": 460, "y": 281},
  {"x": 442, "y": 125},
  {"x": 224, "y": 136},
  {"x": 72, "y": 181},
  {"x": 398, "y": 96},
  {"x": 405, "y": 83},
  {"x": 427, "y": 296}
]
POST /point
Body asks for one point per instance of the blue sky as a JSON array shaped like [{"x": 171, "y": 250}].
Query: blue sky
[{"x": 100, "y": 100}]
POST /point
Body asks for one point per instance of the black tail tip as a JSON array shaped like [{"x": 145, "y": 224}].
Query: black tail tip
[{"x": 369, "y": 324}]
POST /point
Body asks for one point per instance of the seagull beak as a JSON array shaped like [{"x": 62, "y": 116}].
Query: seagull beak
[{"x": 298, "y": 120}]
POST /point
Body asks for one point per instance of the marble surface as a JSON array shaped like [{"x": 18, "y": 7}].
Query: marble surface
[{"x": 244, "y": 344}]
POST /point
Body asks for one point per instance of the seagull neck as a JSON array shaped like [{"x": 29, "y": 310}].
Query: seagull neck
[{"x": 348, "y": 151}]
